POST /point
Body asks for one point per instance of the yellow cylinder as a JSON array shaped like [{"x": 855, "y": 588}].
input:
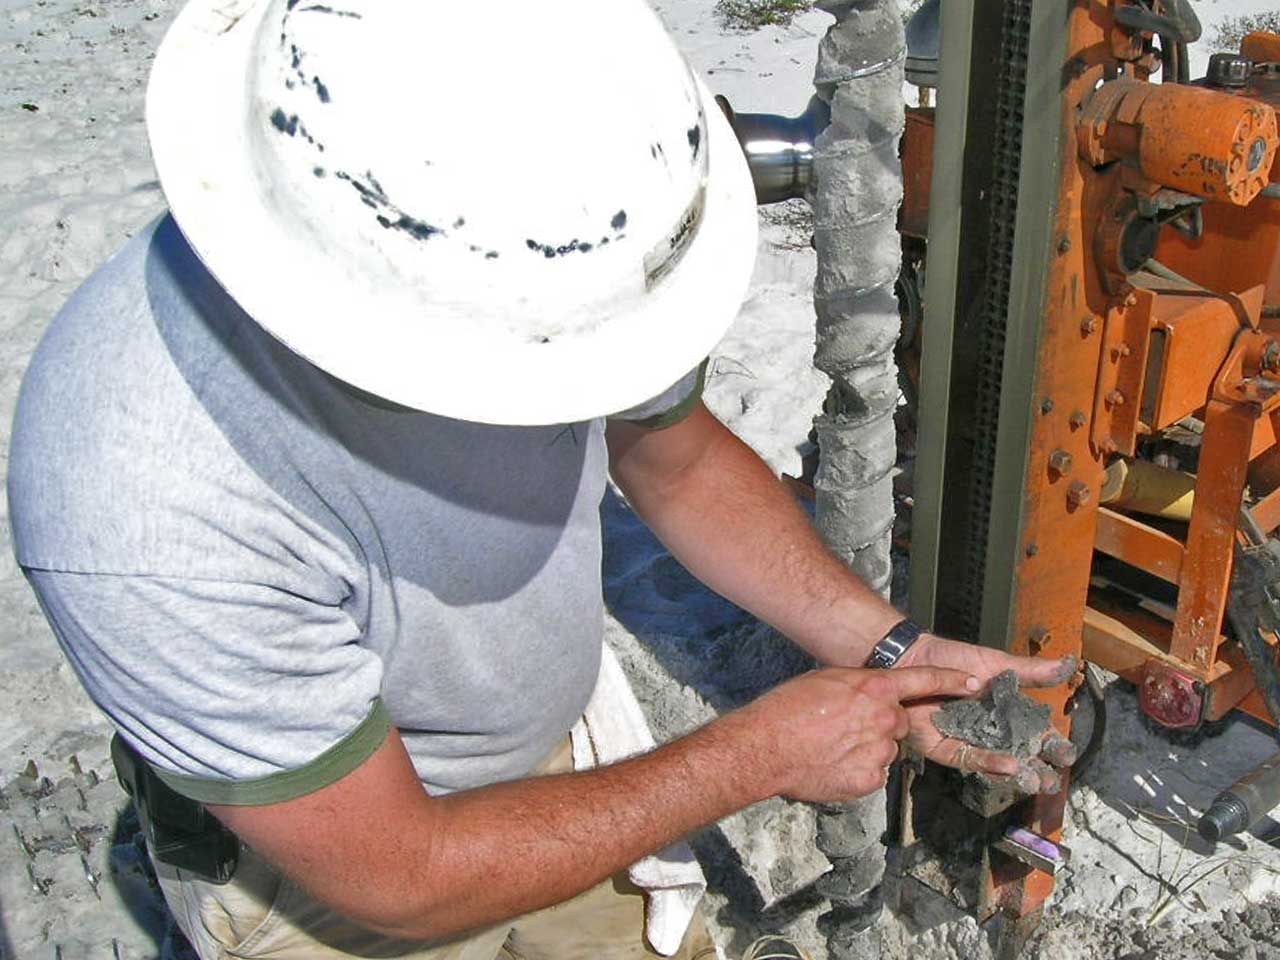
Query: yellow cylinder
[{"x": 1144, "y": 487}]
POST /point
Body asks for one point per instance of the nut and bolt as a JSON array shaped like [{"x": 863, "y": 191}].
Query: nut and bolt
[
  {"x": 1038, "y": 640},
  {"x": 1123, "y": 350},
  {"x": 1032, "y": 549},
  {"x": 1078, "y": 494},
  {"x": 1077, "y": 419},
  {"x": 1046, "y": 405},
  {"x": 1089, "y": 325},
  {"x": 1257, "y": 152},
  {"x": 1131, "y": 300},
  {"x": 1060, "y": 462},
  {"x": 1115, "y": 398},
  {"x": 1271, "y": 356}
]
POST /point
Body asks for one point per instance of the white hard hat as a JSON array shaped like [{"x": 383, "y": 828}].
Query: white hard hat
[{"x": 505, "y": 212}]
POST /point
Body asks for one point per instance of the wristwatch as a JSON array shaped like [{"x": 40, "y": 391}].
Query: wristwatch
[{"x": 890, "y": 648}]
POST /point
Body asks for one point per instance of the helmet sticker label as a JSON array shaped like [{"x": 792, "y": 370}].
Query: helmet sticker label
[{"x": 662, "y": 259}]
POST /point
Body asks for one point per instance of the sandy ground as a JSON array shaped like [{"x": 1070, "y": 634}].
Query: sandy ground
[{"x": 76, "y": 181}]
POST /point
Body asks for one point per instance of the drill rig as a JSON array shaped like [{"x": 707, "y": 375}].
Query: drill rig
[
  {"x": 1098, "y": 469},
  {"x": 1094, "y": 363}
]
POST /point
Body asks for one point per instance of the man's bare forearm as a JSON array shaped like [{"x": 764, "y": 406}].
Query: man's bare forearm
[
  {"x": 720, "y": 510},
  {"x": 424, "y": 867}
]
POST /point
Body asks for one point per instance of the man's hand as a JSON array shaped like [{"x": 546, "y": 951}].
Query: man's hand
[
  {"x": 833, "y": 733},
  {"x": 1036, "y": 775}
]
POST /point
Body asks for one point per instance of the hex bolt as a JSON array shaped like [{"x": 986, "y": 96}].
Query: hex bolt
[
  {"x": 1032, "y": 549},
  {"x": 1271, "y": 355},
  {"x": 1046, "y": 406},
  {"x": 1131, "y": 300},
  {"x": 1089, "y": 325},
  {"x": 1078, "y": 494},
  {"x": 1123, "y": 350},
  {"x": 1115, "y": 398},
  {"x": 1077, "y": 419},
  {"x": 1038, "y": 640},
  {"x": 1060, "y": 462}
]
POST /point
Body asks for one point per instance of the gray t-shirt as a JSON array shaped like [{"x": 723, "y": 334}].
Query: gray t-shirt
[{"x": 255, "y": 569}]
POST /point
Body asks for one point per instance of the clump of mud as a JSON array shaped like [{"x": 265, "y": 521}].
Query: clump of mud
[{"x": 1004, "y": 720}]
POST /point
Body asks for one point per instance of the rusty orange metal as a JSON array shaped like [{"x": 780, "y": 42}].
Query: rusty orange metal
[
  {"x": 1204, "y": 142},
  {"x": 917, "y": 172},
  {"x": 1191, "y": 335},
  {"x": 1261, "y": 47},
  {"x": 1267, "y": 511},
  {"x": 1122, "y": 371},
  {"x": 1140, "y": 545},
  {"x": 1127, "y": 350}
]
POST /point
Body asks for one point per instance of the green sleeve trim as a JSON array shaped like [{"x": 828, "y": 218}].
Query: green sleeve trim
[
  {"x": 669, "y": 418},
  {"x": 331, "y": 766}
]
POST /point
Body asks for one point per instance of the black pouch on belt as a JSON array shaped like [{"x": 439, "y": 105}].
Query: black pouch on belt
[{"x": 179, "y": 830}]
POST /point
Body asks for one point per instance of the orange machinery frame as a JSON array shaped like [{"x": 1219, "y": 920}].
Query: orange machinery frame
[{"x": 1126, "y": 353}]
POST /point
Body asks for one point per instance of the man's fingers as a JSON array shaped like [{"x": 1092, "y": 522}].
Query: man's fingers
[
  {"x": 914, "y": 683},
  {"x": 1058, "y": 750},
  {"x": 1039, "y": 672},
  {"x": 1047, "y": 777},
  {"x": 970, "y": 759}
]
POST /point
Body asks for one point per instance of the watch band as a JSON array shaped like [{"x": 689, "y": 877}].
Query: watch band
[{"x": 890, "y": 648}]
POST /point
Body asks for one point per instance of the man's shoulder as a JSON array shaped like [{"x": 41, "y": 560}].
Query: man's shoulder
[{"x": 112, "y": 451}]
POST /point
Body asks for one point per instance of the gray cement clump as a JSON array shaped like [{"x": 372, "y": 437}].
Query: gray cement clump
[{"x": 1005, "y": 719}]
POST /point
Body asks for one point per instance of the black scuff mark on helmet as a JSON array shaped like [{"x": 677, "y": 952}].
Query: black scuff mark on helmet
[
  {"x": 389, "y": 216},
  {"x": 491, "y": 255},
  {"x": 325, "y": 8},
  {"x": 287, "y": 124},
  {"x": 295, "y": 60},
  {"x": 551, "y": 251},
  {"x": 658, "y": 152},
  {"x": 318, "y": 172},
  {"x": 290, "y": 125},
  {"x": 459, "y": 223},
  {"x": 619, "y": 221},
  {"x": 695, "y": 138},
  {"x": 321, "y": 90},
  {"x": 418, "y": 229}
]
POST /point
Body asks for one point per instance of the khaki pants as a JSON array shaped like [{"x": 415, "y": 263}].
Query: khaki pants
[{"x": 260, "y": 914}]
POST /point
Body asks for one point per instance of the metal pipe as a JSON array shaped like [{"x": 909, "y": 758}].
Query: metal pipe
[
  {"x": 857, "y": 187},
  {"x": 1145, "y": 487},
  {"x": 1248, "y": 800},
  {"x": 779, "y": 150}
]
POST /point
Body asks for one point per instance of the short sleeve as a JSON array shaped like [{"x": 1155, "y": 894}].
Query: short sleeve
[
  {"x": 671, "y": 406},
  {"x": 236, "y": 693}
]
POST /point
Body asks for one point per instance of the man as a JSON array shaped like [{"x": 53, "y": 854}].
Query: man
[{"x": 307, "y": 479}]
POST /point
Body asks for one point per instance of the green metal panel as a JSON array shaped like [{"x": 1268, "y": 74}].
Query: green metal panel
[
  {"x": 1039, "y": 184},
  {"x": 939, "y": 306},
  {"x": 992, "y": 207}
]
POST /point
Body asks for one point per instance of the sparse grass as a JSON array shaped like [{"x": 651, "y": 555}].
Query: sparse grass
[
  {"x": 754, "y": 14},
  {"x": 1232, "y": 30}
]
